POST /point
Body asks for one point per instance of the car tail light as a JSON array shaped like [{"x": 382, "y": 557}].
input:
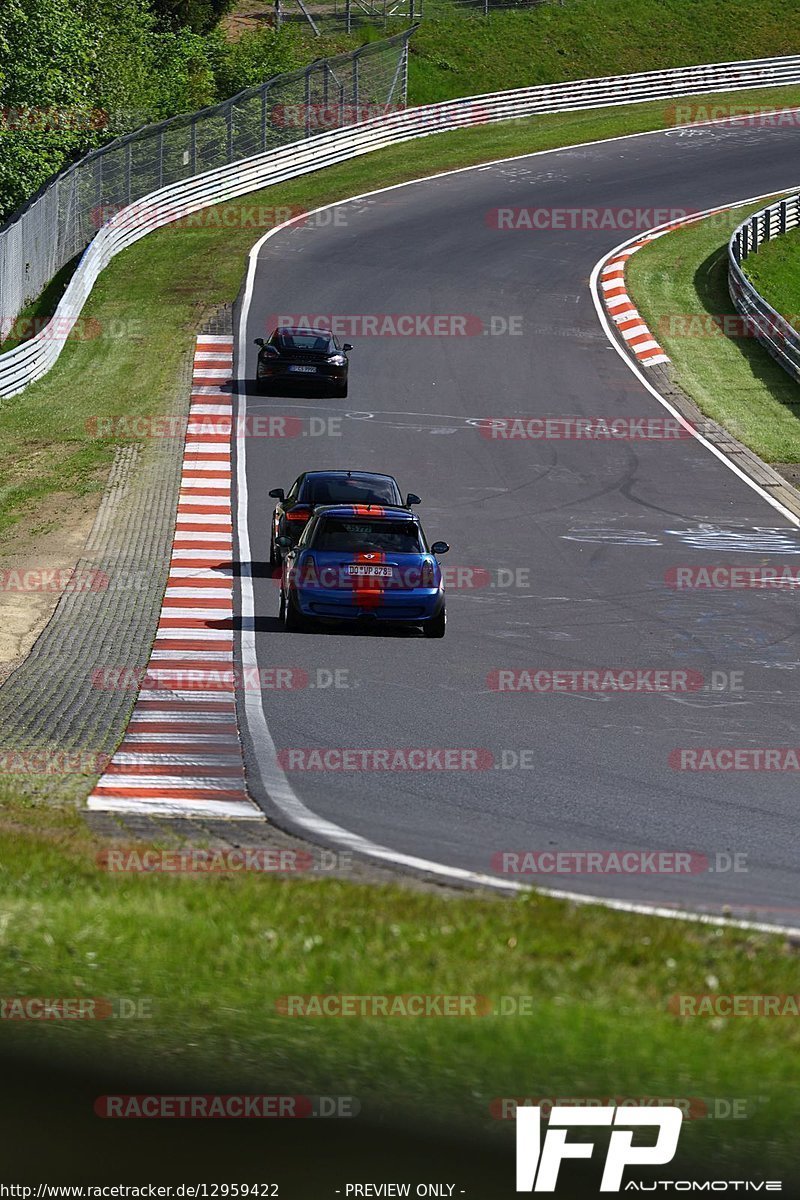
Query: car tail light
[
  {"x": 426, "y": 579},
  {"x": 300, "y": 512}
]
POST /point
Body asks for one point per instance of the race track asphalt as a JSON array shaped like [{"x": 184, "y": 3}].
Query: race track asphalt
[{"x": 572, "y": 539}]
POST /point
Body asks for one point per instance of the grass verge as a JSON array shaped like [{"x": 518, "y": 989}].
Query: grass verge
[
  {"x": 679, "y": 284},
  {"x": 775, "y": 272},
  {"x": 586, "y": 991}
]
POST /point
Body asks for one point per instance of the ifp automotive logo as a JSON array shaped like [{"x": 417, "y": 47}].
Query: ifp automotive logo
[{"x": 538, "y": 1161}]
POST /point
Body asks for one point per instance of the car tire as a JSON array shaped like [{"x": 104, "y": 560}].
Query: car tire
[
  {"x": 274, "y": 561},
  {"x": 435, "y": 628},
  {"x": 293, "y": 619},
  {"x": 341, "y": 391}
]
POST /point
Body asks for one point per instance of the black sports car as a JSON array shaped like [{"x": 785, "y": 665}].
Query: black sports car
[
  {"x": 313, "y": 488},
  {"x": 295, "y": 355}
]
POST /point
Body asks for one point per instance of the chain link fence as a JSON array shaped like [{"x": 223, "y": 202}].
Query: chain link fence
[
  {"x": 58, "y": 223},
  {"x": 336, "y": 16}
]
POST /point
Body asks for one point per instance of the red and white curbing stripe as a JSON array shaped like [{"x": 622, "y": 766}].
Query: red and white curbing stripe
[
  {"x": 623, "y": 312},
  {"x": 181, "y": 754}
]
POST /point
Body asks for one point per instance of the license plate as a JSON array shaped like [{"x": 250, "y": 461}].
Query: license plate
[
  {"x": 369, "y": 570},
  {"x": 304, "y": 370}
]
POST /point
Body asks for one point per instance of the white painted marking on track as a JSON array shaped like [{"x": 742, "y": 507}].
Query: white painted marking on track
[{"x": 274, "y": 779}]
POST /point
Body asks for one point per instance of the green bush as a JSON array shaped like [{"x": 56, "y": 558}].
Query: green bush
[{"x": 74, "y": 73}]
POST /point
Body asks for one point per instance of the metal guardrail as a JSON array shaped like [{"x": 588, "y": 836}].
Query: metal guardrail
[
  {"x": 34, "y": 358},
  {"x": 777, "y": 335}
]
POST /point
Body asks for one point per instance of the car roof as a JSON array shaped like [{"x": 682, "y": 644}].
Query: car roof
[
  {"x": 307, "y": 329},
  {"x": 340, "y": 474},
  {"x": 379, "y": 512}
]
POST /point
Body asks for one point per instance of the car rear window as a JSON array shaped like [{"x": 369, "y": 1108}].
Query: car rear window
[
  {"x": 349, "y": 491},
  {"x": 362, "y": 535},
  {"x": 306, "y": 341}
]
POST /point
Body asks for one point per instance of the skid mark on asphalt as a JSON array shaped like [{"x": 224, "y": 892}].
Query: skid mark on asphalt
[{"x": 181, "y": 754}]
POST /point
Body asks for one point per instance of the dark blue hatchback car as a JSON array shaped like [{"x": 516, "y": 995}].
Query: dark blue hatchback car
[{"x": 363, "y": 562}]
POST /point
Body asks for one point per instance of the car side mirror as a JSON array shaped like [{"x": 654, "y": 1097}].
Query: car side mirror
[
  {"x": 259, "y": 341},
  {"x": 346, "y": 347},
  {"x": 412, "y": 499},
  {"x": 277, "y": 494},
  {"x": 440, "y": 548},
  {"x": 284, "y": 542}
]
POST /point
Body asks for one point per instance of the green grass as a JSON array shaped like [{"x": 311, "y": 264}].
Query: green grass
[
  {"x": 458, "y": 52},
  {"x": 732, "y": 379},
  {"x": 600, "y": 982},
  {"x": 146, "y": 307},
  {"x": 775, "y": 272}
]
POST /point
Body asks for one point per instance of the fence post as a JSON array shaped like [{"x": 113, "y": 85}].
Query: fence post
[
  {"x": 347, "y": 16},
  {"x": 229, "y": 133},
  {"x": 307, "y": 95},
  {"x": 128, "y": 153},
  {"x": 356, "y": 55},
  {"x": 193, "y": 146},
  {"x": 278, "y": 14},
  {"x": 264, "y": 93}
]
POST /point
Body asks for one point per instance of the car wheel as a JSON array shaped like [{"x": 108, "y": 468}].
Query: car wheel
[
  {"x": 274, "y": 561},
  {"x": 293, "y": 619},
  {"x": 282, "y": 606},
  {"x": 341, "y": 391},
  {"x": 436, "y": 626}
]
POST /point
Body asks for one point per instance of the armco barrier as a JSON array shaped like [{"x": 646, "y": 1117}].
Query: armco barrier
[
  {"x": 771, "y": 329},
  {"x": 34, "y": 358}
]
